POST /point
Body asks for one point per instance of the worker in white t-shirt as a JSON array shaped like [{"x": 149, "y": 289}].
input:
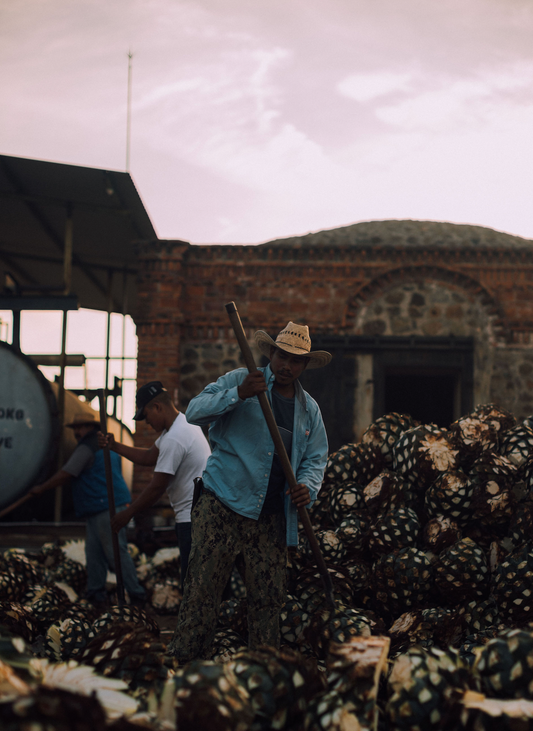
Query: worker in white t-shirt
[{"x": 178, "y": 455}]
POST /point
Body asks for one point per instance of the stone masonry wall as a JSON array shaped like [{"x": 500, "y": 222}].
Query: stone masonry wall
[
  {"x": 203, "y": 363},
  {"x": 512, "y": 381},
  {"x": 426, "y": 308}
]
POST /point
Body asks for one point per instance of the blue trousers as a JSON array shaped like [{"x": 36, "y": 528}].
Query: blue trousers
[{"x": 100, "y": 559}]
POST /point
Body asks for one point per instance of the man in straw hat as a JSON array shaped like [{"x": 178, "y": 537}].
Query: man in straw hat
[
  {"x": 245, "y": 511},
  {"x": 85, "y": 472}
]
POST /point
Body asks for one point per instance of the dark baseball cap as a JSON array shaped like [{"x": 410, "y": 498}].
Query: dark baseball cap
[{"x": 144, "y": 395}]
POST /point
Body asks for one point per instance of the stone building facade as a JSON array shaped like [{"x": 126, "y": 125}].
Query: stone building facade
[{"x": 422, "y": 316}]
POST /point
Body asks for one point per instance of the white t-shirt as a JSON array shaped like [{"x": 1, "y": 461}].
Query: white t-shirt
[{"x": 183, "y": 453}]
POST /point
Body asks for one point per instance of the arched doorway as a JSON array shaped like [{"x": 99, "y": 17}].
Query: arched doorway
[{"x": 418, "y": 346}]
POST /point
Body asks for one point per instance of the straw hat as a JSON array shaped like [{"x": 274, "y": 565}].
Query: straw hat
[
  {"x": 293, "y": 339},
  {"x": 83, "y": 419}
]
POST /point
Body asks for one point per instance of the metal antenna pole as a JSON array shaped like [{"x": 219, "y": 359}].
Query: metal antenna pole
[{"x": 128, "y": 121}]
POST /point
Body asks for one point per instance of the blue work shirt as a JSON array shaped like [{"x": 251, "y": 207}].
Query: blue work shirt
[
  {"x": 89, "y": 486},
  {"x": 238, "y": 469}
]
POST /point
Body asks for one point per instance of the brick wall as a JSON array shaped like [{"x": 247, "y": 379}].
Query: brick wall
[
  {"x": 378, "y": 278},
  {"x": 160, "y": 292}
]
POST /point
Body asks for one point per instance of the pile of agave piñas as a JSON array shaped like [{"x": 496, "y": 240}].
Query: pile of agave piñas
[
  {"x": 66, "y": 666},
  {"x": 428, "y": 538}
]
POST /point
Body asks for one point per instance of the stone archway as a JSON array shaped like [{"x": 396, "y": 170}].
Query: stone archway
[{"x": 425, "y": 303}]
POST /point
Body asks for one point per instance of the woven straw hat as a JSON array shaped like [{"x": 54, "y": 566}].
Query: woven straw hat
[{"x": 293, "y": 339}]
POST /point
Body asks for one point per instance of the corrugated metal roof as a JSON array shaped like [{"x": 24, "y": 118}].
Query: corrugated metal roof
[{"x": 108, "y": 218}]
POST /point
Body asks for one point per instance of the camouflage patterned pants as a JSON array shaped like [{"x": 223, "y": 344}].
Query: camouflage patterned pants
[{"x": 218, "y": 536}]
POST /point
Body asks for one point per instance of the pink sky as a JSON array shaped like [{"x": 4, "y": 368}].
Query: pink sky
[{"x": 257, "y": 119}]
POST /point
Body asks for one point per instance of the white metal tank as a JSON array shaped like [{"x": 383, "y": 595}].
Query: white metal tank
[{"x": 30, "y": 429}]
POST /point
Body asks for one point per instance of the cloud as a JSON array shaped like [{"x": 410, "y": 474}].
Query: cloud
[
  {"x": 370, "y": 86},
  {"x": 227, "y": 108},
  {"x": 170, "y": 91},
  {"x": 462, "y": 102}
]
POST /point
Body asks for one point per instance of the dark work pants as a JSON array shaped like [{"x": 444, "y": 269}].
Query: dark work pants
[
  {"x": 219, "y": 535},
  {"x": 183, "y": 533}
]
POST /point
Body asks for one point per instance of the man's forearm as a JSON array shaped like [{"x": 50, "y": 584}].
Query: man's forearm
[
  {"x": 148, "y": 497},
  {"x": 58, "y": 480},
  {"x": 137, "y": 455}
]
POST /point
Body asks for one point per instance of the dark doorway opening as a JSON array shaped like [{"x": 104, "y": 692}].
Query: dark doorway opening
[
  {"x": 428, "y": 398},
  {"x": 429, "y": 377},
  {"x": 333, "y": 387}
]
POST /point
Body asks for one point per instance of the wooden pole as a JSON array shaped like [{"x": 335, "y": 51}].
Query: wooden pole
[
  {"x": 238, "y": 329},
  {"x": 14, "y": 505},
  {"x": 111, "y": 499}
]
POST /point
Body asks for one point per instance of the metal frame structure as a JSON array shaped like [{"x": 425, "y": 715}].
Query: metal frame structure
[{"x": 68, "y": 238}]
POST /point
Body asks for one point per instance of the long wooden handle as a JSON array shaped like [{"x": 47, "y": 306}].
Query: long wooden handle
[
  {"x": 303, "y": 515},
  {"x": 14, "y": 505},
  {"x": 111, "y": 500}
]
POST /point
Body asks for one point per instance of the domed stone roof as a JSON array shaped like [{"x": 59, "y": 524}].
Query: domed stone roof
[{"x": 407, "y": 234}]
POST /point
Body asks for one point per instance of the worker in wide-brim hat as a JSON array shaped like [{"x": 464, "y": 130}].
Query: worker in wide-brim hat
[
  {"x": 245, "y": 510},
  {"x": 84, "y": 471}
]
